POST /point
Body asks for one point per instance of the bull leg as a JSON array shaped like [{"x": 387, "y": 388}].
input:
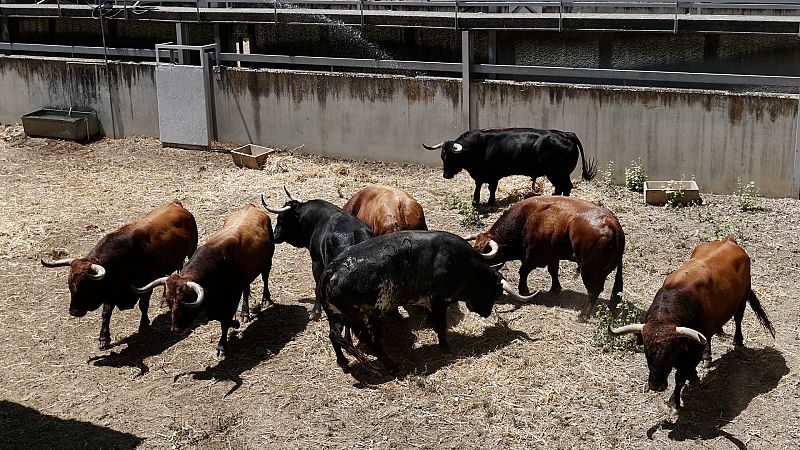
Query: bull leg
[
  {"x": 222, "y": 346},
  {"x": 492, "y": 192},
  {"x": 245, "y": 312},
  {"x": 334, "y": 335},
  {"x": 374, "y": 343},
  {"x": 524, "y": 270},
  {"x": 738, "y": 337},
  {"x": 316, "y": 269},
  {"x": 104, "y": 341},
  {"x": 266, "y": 298},
  {"x": 439, "y": 315},
  {"x": 555, "y": 287},
  {"x": 144, "y": 305},
  {"x": 586, "y": 312},
  {"x": 476, "y": 196},
  {"x": 680, "y": 380},
  {"x": 707, "y": 352}
]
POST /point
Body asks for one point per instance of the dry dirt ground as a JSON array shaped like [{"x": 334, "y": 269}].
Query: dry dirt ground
[{"x": 530, "y": 376}]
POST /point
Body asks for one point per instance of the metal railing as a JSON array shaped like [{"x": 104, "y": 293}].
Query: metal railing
[{"x": 326, "y": 63}]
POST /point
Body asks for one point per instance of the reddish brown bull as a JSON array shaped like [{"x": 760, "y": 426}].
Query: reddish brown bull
[
  {"x": 386, "y": 210},
  {"x": 691, "y": 306},
  {"x": 541, "y": 231},
  {"x": 154, "y": 245},
  {"x": 220, "y": 272}
]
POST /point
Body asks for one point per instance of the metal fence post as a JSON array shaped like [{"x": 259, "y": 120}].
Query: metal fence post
[
  {"x": 796, "y": 173},
  {"x": 466, "y": 60},
  {"x": 456, "y": 14}
]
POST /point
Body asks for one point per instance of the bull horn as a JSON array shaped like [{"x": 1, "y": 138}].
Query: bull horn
[
  {"x": 99, "y": 272},
  {"x": 471, "y": 237},
  {"x": 149, "y": 287},
  {"x": 494, "y": 249},
  {"x": 273, "y": 210},
  {"x": 513, "y": 292},
  {"x": 200, "y": 295},
  {"x": 457, "y": 148},
  {"x": 626, "y": 329},
  {"x": 290, "y": 195},
  {"x": 691, "y": 334},
  {"x": 58, "y": 263},
  {"x": 435, "y": 147}
]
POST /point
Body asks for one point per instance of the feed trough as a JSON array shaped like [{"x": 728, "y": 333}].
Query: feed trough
[
  {"x": 251, "y": 156},
  {"x": 61, "y": 124},
  {"x": 680, "y": 192}
]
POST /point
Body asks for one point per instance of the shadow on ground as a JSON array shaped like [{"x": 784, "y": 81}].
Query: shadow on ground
[
  {"x": 566, "y": 298},
  {"x": 140, "y": 346},
  {"x": 26, "y": 428},
  {"x": 264, "y": 337},
  {"x": 399, "y": 339},
  {"x": 724, "y": 392}
]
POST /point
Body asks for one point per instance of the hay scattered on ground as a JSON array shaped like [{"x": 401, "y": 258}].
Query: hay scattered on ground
[{"x": 530, "y": 376}]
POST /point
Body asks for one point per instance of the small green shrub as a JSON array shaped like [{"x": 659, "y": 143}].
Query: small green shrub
[
  {"x": 674, "y": 194},
  {"x": 627, "y": 313},
  {"x": 635, "y": 176},
  {"x": 470, "y": 217},
  {"x": 716, "y": 227},
  {"x": 608, "y": 175},
  {"x": 747, "y": 195}
]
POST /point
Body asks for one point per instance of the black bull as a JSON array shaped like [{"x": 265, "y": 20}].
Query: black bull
[
  {"x": 428, "y": 268},
  {"x": 489, "y": 155}
]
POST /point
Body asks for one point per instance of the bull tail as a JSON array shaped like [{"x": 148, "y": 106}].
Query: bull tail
[
  {"x": 352, "y": 350},
  {"x": 619, "y": 246},
  {"x": 762, "y": 316},
  {"x": 590, "y": 166}
]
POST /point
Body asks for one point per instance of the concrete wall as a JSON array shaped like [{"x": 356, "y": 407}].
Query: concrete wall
[
  {"x": 31, "y": 83},
  {"x": 715, "y": 136}
]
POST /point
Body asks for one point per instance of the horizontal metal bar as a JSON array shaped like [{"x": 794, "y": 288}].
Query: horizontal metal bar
[
  {"x": 343, "y": 62},
  {"x": 638, "y": 75},
  {"x": 76, "y": 49}
]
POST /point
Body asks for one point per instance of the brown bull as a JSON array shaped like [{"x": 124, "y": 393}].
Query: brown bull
[
  {"x": 541, "y": 231},
  {"x": 691, "y": 306},
  {"x": 386, "y": 210},
  {"x": 154, "y": 245},
  {"x": 220, "y": 272}
]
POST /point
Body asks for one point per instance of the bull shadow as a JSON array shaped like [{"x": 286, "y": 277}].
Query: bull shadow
[
  {"x": 399, "y": 339},
  {"x": 264, "y": 337},
  {"x": 27, "y": 428},
  {"x": 142, "y": 345},
  {"x": 726, "y": 390},
  {"x": 566, "y": 298}
]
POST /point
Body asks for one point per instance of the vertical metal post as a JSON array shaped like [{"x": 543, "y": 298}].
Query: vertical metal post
[
  {"x": 209, "y": 102},
  {"x": 466, "y": 60},
  {"x": 361, "y": 10},
  {"x": 675, "y": 23},
  {"x": 456, "y": 14},
  {"x": 492, "y": 51},
  {"x": 796, "y": 174},
  {"x": 560, "y": 12},
  {"x": 5, "y": 33},
  {"x": 108, "y": 75},
  {"x": 181, "y": 34},
  {"x": 275, "y": 5}
]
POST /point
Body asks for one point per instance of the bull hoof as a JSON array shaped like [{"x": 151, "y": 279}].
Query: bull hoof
[
  {"x": 555, "y": 289},
  {"x": 104, "y": 343},
  {"x": 220, "y": 352},
  {"x": 314, "y": 315},
  {"x": 143, "y": 325},
  {"x": 265, "y": 301},
  {"x": 246, "y": 318},
  {"x": 583, "y": 318}
]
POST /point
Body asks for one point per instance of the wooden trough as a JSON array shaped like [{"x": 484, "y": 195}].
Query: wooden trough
[
  {"x": 659, "y": 192},
  {"x": 251, "y": 156}
]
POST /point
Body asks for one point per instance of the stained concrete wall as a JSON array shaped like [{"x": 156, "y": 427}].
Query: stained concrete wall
[
  {"x": 31, "y": 83},
  {"x": 715, "y": 136}
]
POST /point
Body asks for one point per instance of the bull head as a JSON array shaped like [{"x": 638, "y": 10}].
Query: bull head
[
  {"x": 85, "y": 292},
  {"x": 663, "y": 347},
  {"x": 178, "y": 292},
  {"x": 287, "y": 226}
]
